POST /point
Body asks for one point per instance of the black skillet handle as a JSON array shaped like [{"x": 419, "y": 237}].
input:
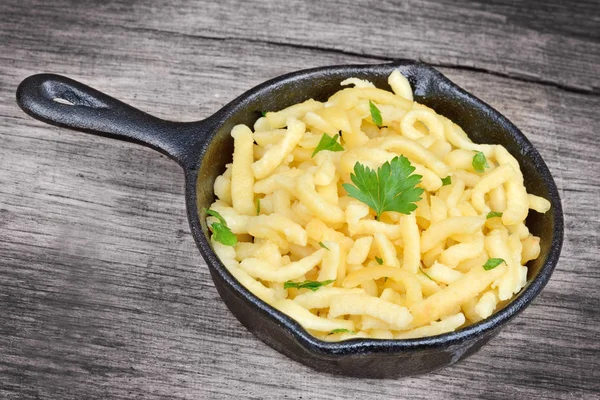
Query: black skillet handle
[{"x": 64, "y": 102}]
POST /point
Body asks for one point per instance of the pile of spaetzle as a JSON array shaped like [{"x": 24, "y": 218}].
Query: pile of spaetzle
[{"x": 295, "y": 219}]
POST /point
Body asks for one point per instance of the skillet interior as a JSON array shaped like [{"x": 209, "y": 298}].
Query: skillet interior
[{"x": 360, "y": 357}]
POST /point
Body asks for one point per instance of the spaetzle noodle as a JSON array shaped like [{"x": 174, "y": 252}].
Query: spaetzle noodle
[{"x": 322, "y": 257}]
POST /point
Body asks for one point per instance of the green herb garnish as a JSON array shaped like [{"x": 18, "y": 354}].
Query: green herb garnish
[
  {"x": 425, "y": 273},
  {"x": 479, "y": 162},
  {"x": 493, "y": 214},
  {"x": 257, "y": 206},
  {"x": 447, "y": 181},
  {"x": 341, "y": 330},
  {"x": 328, "y": 143},
  {"x": 379, "y": 260},
  {"x": 323, "y": 245},
  {"x": 492, "y": 263},
  {"x": 311, "y": 285},
  {"x": 263, "y": 113},
  {"x": 375, "y": 114},
  {"x": 220, "y": 230},
  {"x": 390, "y": 188}
]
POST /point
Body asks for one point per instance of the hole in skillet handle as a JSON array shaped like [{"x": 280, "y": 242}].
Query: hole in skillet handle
[
  {"x": 62, "y": 101},
  {"x": 380, "y": 358}
]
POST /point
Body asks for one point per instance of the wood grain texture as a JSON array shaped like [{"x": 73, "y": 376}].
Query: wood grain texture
[
  {"x": 102, "y": 291},
  {"x": 530, "y": 41}
]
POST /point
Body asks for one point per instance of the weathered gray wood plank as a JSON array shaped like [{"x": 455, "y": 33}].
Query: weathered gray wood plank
[
  {"x": 537, "y": 41},
  {"x": 102, "y": 291}
]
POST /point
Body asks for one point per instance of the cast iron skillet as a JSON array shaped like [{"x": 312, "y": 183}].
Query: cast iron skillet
[{"x": 203, "y": 148}]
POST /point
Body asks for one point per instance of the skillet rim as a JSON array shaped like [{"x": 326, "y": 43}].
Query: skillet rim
[{"x": 361, "y": 346}]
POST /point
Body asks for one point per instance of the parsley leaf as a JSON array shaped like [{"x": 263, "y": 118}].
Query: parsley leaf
[
  {"x": 263, "y": 113},
  {"x": 379, "y": 260},
  {"x": 216, "y": 215},
  {"x": 390, "y": 188},
  {"x": 341, "y": 330},
  {"x": 447, "y": 181},
  {"x": 493, "y": 214},
  {"x": 220, "y": 230},
  {"x": 328, "y": 143},
  {"x": 492, "y": 263},
  {"x": 375, "y": 114},
  {"x": 223, "y": 234},
  {"x": 323, "y": 245},
  {"x": 479, "y": 162},
  {"x": 425, "y": 273},
  {"x": 311, "y": 285}
]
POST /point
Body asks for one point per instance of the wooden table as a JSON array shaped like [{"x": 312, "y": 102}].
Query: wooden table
[{"x": 102, "y": 291}]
